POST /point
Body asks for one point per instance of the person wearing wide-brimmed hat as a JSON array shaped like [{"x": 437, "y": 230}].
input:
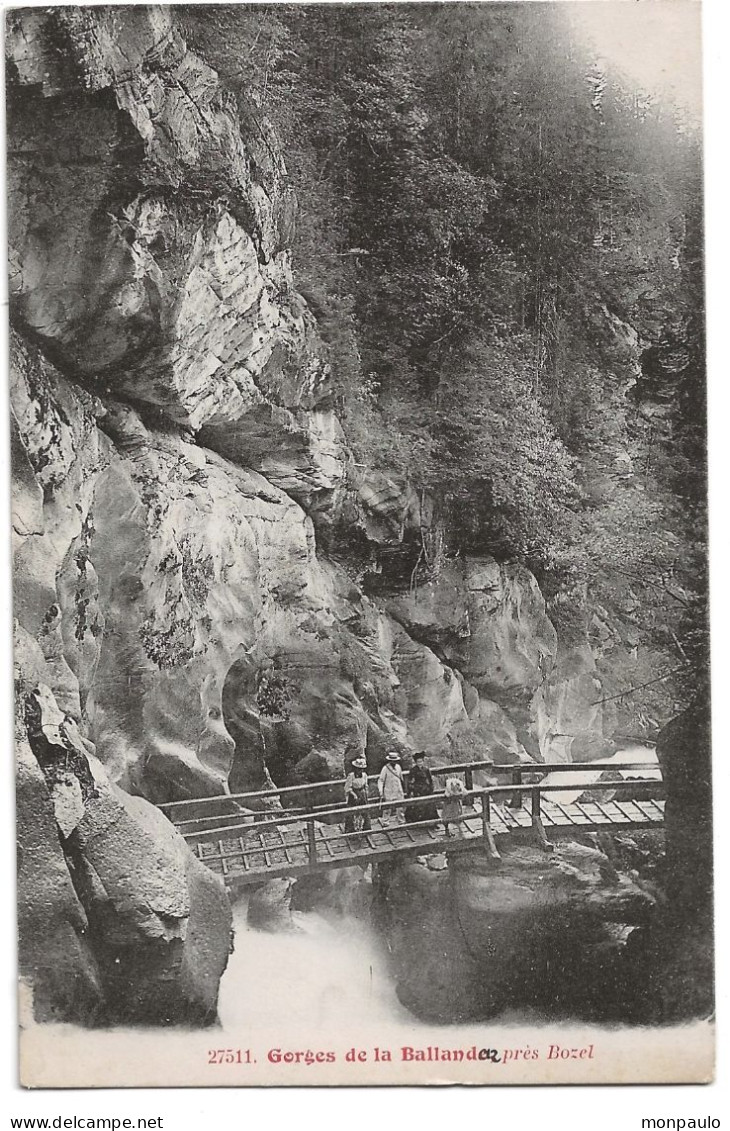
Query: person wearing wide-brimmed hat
[
  {"x": 356, "y": 793},
  {"x": 390, "y": 785}
]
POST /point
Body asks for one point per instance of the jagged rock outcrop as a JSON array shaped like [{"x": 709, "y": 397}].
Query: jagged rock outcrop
[
  {"x": 173, "y": 576},
  {"x": 55, "y": 954},
  {"x": 142, "y": 926},
  {"x": 525, "y": 695},
  {"x": 193, "y": 307}
]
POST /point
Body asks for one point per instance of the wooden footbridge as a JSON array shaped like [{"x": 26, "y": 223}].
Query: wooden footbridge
[{"x": 250, "y": 837}]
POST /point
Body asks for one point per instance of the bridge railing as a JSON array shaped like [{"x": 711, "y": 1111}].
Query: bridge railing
[
  {"x": 484, "y": 796},
  {"x": 195, "y": 813},
  {"x": 290, "y": 791}
]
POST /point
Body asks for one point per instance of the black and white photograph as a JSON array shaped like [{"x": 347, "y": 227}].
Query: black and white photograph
[{"x": 361, "y": 625}]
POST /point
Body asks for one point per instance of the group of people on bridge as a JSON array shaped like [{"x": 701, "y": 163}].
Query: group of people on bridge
[{"x": 393, "y": 788}]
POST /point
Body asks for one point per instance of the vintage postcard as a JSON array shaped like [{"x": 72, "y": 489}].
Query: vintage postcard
[{"x": 360, "y": 544}]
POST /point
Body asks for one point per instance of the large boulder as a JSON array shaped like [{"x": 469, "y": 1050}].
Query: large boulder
[
  {"x": 470, "y": 941},
  {"x": 55, "y": 955},
  {"x": 269, "y": 906},
  {"x": 145, "y": 927},
  {"x": 160, "y": 920}
]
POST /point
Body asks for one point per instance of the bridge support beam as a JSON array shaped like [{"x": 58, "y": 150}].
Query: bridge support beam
[
  {"x": 537, "y": 824},
  {"x": 490, "y": 846},
  {"x": 311, "y": 842}
]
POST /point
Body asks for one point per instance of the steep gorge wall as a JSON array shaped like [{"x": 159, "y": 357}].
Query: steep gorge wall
[{"x": 178, "y": 467}]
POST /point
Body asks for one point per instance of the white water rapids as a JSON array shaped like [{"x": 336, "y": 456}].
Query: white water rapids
[
  {"x": 328, "y": 974},
  {"x": 646, "y": 755}
]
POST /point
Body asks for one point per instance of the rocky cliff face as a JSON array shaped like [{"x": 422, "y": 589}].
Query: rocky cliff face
[{"x": 181, "y": 479}]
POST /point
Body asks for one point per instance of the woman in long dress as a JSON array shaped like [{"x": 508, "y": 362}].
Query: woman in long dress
[
  {"x": 356, "y": 793},
  {"x": 420, "y": 784},
  {"x": 390, "y": 786}
]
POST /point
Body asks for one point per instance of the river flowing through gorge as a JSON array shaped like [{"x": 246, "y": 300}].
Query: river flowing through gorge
[
  {"x": 327, "y": 976},
  {"x": 319, "y": 975}
]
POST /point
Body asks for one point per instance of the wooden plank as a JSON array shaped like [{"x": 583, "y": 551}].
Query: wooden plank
[
  {"x": 559, "y": 817},
  {"x": 509, "y": 817},
  {"x": 552, "y": 816},
  {"x": 224, "y": 865},
  {"x": 381, "y": 843},
  {"x": 498, "y": 821},
  {"x": 363, "y": 837},
  {"x": 244, "y": 858},
  {"x": 388, "y": 836},
  {"x": 632, "y": 812},
  {"x": 614, "y": 814},
  {"x": 605, "y": 817},
  {"x": 522, "y": 817},
  {"x": 267, "y": 858},
  {"x": 292, "y": 839},
  {"x": 574, "y": 812},
  {"x": 324, "y": 839},
  {"x": 651, "y": 810}
]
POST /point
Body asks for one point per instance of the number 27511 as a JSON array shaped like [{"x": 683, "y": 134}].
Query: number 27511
[{"x": 230, "y": 1056}]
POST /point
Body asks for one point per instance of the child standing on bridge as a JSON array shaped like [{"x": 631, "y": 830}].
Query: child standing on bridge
[{"x": 452, "y": 807}]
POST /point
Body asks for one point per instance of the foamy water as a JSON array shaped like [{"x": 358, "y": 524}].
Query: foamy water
[
  {"x": 326, "y": 974},
  {"x": 583, "y": 778}
]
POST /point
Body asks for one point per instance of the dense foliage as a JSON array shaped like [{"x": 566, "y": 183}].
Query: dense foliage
[{"x": 502, "y": 245}]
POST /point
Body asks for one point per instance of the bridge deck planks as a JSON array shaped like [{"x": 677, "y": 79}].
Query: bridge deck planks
[
  {"x": 250, "y": 851},
  {"x": 245, "y": 860}
]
